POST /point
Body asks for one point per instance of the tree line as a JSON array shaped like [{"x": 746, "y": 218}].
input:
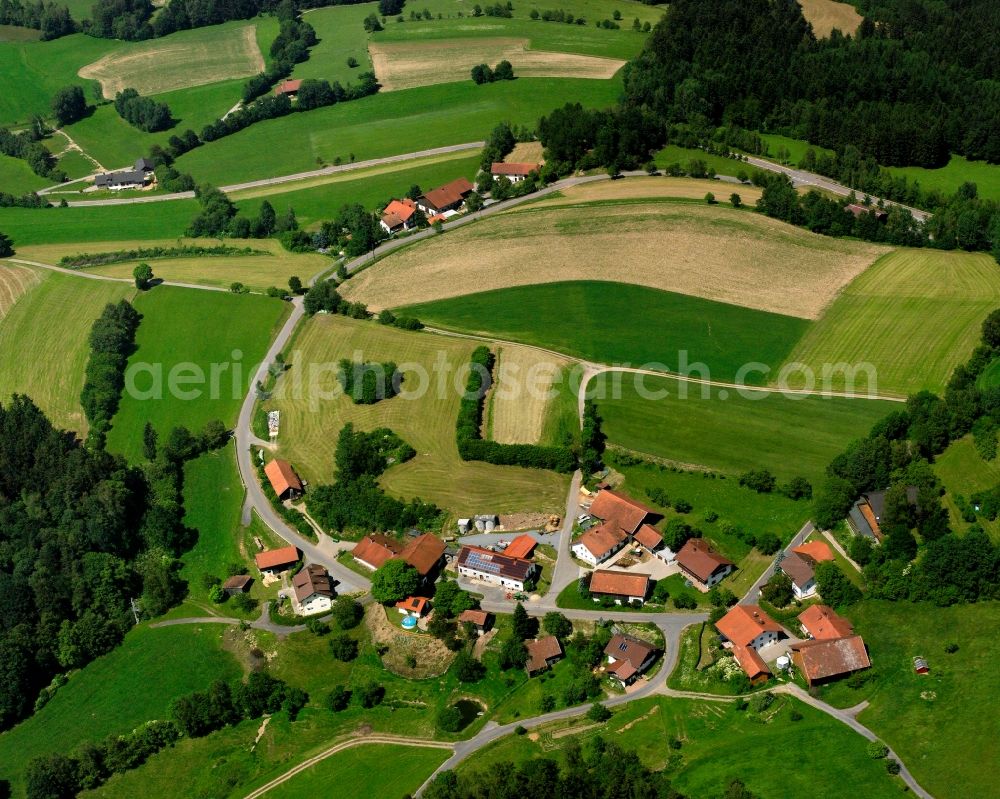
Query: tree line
[
  {"x": 112, "y": 340},
  {"x": 468, "y": 427},
  {"x": 82, "y": 260},
  {"x": 52, "y": 19},
  {"x": 895, "y": 457},
  {"x": 356, "y": 502},
  {"x": 143, "y": 113}
]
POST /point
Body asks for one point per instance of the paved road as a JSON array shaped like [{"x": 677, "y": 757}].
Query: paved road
[
  {"x": 276, "y": 181},
  {"x": 323, "y": 552},
  {"x": 751, "y": 596}
]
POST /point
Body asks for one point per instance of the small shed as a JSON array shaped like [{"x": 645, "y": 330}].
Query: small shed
[
  {"x": 237, "y": 584},
  {"x": 920, "y": 665}
]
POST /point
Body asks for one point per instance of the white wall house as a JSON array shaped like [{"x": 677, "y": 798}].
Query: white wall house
[
  {"x": 598, "y": 544},
  {"x": 495, "y": 568}
]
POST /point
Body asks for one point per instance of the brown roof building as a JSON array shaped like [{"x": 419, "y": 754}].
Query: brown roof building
[
  {"x": 237, "y": 584},
  {"x": 822, "y": 660},
  {"x": 514, "y": 171},
  {"x": 543, "y": 653},
  {"x": 620, "y": 511},
  {"x": 599, "y": 543},
  {"x": 816, "y": 551},
  {"x": 622, "y": 586},
  {"x": 424, "y": 553},
  {"x": 800, "y": 571},
  {"x": 374, "y": 550},
  {"x": 482, "y": 620},
  {"x": 313, "y": 579},
  {"x": 521, "y": 547},
  {"x": 275, "y": 560},
  {"x": 699, "y": 561},
  {"x": 628, "y": 657},
  {"x": 447, "y": 197},
  {"x": 289, "y": 87},
  {"x": 497, "y": 568},
  {"x": 284, "y": 481},
  {"x": 747, "y": 625},
  {"x": 648, "y": 537},
  {"x": 821, "y": 622}
]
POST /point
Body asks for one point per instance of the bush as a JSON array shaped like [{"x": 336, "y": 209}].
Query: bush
[
  {"x": 598, "y": 712},
  {"x": 347, "y": 612},
  {"x": 892, "y": 766},
  {"x": 343, "y": 648},
  {"x": 876, "y": 750},
  {"x": 951, "y": 649},
  {"x": 795, "y": 716},
  {"x": 685, "y": 602},
  {"x": 450, "y": 719},
  {"x": 759, "y": 480},
  {"x": 370, "y": 694},
  {"x": 760, "y": 702}
]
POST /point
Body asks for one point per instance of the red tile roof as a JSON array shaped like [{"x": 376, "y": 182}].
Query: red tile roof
[
  {"x": 619, "y": 510},
  {"x": 423, "y": 553},
  {"x": 413, "y": 604},
  {"x": 870, "y": 517},
  {"x": 601, "y": 539},
  {"x": 449, "y": 194},
  {"x": 615, "y": 583},
  {"x": 817, "y": 550},
  {"x": 313, "y": 579},
  {"x": 513, "y": 169},
  {"x": 521, "y": 547},
  {"x": 398, "y": 212},
  {"x": 282, "y": 476},
  {"x": 648, "y": 536},
  {"x": 541, "y": 651},
  {"x": 478, "y": 617},
  {"x": 744, "y": 623},
  {"x": 271, "y": 558},
  {"x": 751, "y": 663},
  {"x": 821, "y": 622},
  {"x": 820, "y": 660},
  {"x": 698, "y": 558},
  {"x": 288, "y": 87},
  {"x": 376, "y": 549}
]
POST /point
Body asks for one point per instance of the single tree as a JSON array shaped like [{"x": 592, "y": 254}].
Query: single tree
[
  {"x": 735, "y": 200},
  {"x": 778, "y": 590},
  {"x": 6, "y": 246},
  {"x": 395, "y": 580},
  {"x": 343, "y": 647},
  {"x": 557, "y": 624},
  {"x": 522, "y": 625},
  {"x": 294, "y": 284},
  {"x": 69, "y": 105},
  {"x": 352, "y": 62},
  {"x": 710, "y": 198},
  {"x": 149, "y": 441},
  {"x": 143, "y": 274}
]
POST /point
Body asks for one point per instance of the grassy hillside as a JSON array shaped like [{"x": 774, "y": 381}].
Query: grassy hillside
[
  {"x": 387, "y": 124},
  {"x": 730, "y": 432},
  {"x": 313, "y": 411},
  {"x": 47, "y": 330},
  {"x": 656, "y": 232},
  {"x": 101, "y": 223},
  {"x": 957, "y": 171},
  {"x": 16, "y": 176},
  {"x": 963, "y": 471},
  {"x": 719, "y": 743},
  {"x": 186, "y": 329},
  {"x": 114, "y": 694},
  {"x": 914, "y": 316},
  {"x": 618, "y": 323}
]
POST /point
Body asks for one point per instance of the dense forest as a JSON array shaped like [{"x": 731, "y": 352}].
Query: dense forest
[{"x": 919, "y": 80}]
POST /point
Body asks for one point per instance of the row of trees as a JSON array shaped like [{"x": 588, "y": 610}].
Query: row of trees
[
  {"x": 289, "y": 48},
  {"x": 52, "y": 19},
  {"x": 112, "y": 340},
  {"x": 356, "y": 502},
  {"x": 82, "y": 260},
  {"x": 468, "y": 427},
  {"x": 143, "y": 113}
]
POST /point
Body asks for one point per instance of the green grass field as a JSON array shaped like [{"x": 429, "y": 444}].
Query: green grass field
[
  {"x": 963, "y": 471},
  {"x": 938, "y": 723},
  {"x": 313, "y": 411},
  {"x": 75, "y": 165},
  {"x": 796, "y": 147},
  {"x": 375, "y": 770},
  {"x": 913, "y": 316},
  {"x": 719, "y": 743},
  {"x": 603, "y": 322},
  {"x": 731, "y": 431},
  {"x": 16, "y": 177},
  {"x": 990, "y": 377},
  {"x": 101, "y": 223},
  {"x": 958, "y": 170},
  {"x": 341, "y": 34},
  {"x": 57, "y": 352},
  {"x": 15, "y": 33},
  {"x": 672, "y": 154},
  {"x": 183, "y": 329},
  {"x": 387, "y": 124},
  {"x": 114, "y": 694}
]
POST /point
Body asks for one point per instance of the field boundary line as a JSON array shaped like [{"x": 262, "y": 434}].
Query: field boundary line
[
  {"x": 594, "y": 368},
  {"x": 420, "y": 743}
]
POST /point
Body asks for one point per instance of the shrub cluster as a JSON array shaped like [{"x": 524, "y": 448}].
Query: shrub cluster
[
  {"x": 367, "y": 383},
  {"x": 143, "y": 113},
  {"x": 472, "y": 446},
  {"x": 481, "y": 73},
  {"x": 112, "y": 340},
  {"x": 28, "y": 148},
  {"x": 201, "y": 712},
  {"x": 24, "y": 201}
]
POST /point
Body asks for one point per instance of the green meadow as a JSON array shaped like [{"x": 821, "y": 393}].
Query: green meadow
[
  {"x": 963, "y": 471},
  {"x": 603, "y": 322},
  {"x": 134, "y": 683},
  {"x": 731, "y": 431},
  {"x": 387, "y": 124},
  {"x": 718, "y": 743},
  {"x": 341, "y": 34},
  {"x": 16, "y": 177},
  {"x": 958, "y": 170},
  {"x": 97, "y": 223},
  {"x": 189, "y": 330}
]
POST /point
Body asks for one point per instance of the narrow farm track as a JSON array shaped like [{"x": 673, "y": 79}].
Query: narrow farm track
[
  {"x": 343, "y": 745},
  {"x": 92, "y": 276}
]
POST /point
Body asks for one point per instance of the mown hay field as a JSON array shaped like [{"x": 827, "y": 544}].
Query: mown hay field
[
  {"x": 623, "y": 324},
  {"x": 825, "y": 15},
  {"x": 406, "y": 65},
  {"x": 43, "y": 343},
  {"x": 15, "y": 281},
  {"x": 527, "y": 383},
  {"x": 718, "y": 253},
  {"x": 179, "y": 61},
  {"x": 913, "y": 317},
  {"x": 731, "y": 431},
  {"x": 313, "y": 411}
]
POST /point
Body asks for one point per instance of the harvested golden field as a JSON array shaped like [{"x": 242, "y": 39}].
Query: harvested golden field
[
  {"x": 652, "y": 188},
  {"x": 15, "y": 280},
  {"x": 189, "y": 58},
  {"x": 314, "y": 409},
  {"x": 519, "y": 401},
  {"x": 406, "y": 65},
  {"x": 825, "y": 15},
  {"x": 526, "y": 152},
  {"x": 715, "y": 252}
]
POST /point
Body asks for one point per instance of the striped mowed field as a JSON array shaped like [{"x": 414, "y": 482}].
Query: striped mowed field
[
  {"x": 914, "y": 316},
  {"x": 43, "y": 342},
  {"x": 313, "y": 411}
]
